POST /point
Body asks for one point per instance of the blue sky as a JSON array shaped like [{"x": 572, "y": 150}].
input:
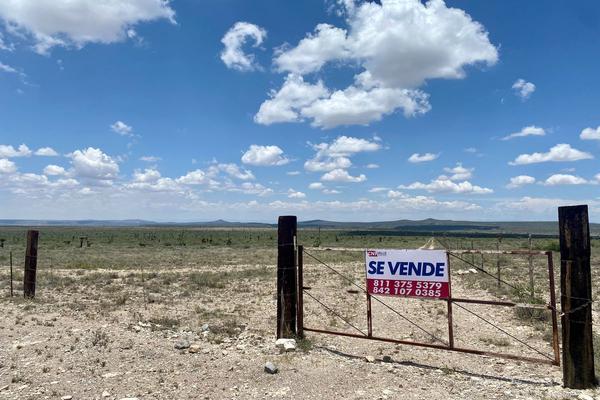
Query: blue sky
[{"x": 344, "y": 110}]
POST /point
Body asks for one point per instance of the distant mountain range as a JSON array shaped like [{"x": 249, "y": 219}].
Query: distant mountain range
[{"x": 423, "y": 226}]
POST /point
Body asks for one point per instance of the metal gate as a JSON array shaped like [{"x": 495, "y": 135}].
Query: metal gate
[{"x": 443, "y": 344}]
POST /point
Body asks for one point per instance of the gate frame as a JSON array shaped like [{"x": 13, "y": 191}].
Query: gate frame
[{"x": 551, "y": 306}]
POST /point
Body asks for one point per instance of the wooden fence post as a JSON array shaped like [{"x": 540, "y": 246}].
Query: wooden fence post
[
  {"x": 11, "y": 275},
  {"x": 30, "y": 264},
  {"x": 531, "y": 277},
  {"x": 286, "y": 277},
  {"x": 498, "y": 261},
  {"x": 576, "y": 295}
]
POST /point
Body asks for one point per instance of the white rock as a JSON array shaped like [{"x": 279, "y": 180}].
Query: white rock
[
  {"x": 583, "y": 396},
  {"x": 286, "y": 344},
  {"x": 105, "y": 394}
]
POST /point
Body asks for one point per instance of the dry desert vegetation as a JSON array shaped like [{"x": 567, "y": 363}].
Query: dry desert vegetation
[{"x": 165, "y": 313}]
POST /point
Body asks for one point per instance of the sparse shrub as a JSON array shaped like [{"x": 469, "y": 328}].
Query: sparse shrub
[
  {"x": 305, "y": 345},
  {"x": 499, "y": 342},
  {"x": 100, "y": 338}
]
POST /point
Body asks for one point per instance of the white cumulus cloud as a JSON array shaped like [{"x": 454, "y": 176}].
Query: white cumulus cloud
[
  {"x": 590, "y": 134},
  {"x": 264, "y": 156},
  {"x": 7, "y": 151},
  {"x": 565, "y": 179},
  {"x": 444, "y": 184},
  {"x": 53, "y": 170},
  {"x": 75, "y": 23},
  {"x": 122, "y": 128},
  {"x": 380, "y": 39},
  {"x": 341, "y": 175},
  {"x": 234, "y": 171},
  {"x": 531, "y": 130},
  {"x": 285, "y": 105},
  {"x": 293, "y": 194},
  {"x": 92, "y": 163},
  {"x": 523, "y": 89},
  {"x": 560, "y": 153},
  {"x": 519, "y": 181},
  {"x": 420, "y": 158},
  {"x": 336, "y": 155},
  {"x": 459, "y": 173},
  {"x": 7, "y": 166},
  {"x": 233, "y": 55},
  {"x": 196, "y": 177},
  {"x": 46, "y": 152}
]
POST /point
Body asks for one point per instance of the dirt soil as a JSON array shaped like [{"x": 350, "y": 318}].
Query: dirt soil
[{"x": 178, "y": 335}]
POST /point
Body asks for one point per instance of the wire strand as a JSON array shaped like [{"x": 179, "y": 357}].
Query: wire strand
[
  {"x": 334, "y": 313},
  {"x": 503, "y": 331}
]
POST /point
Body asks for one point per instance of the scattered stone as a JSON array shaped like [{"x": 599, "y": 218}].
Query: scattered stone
[
  {"x": 271, "y": 368},
  {"x": 195, "y": 348},
  {"x": 387, "y": 359},
  {"x": 66, "y": 398},
  {"x": 137, "y": 328},
  {"x": 105, "y": 394},
  {"x": 370, "y": 359},
  {"x": 182, "y": 344},
  {"x": 205, "y": 328},
  {"x": 129, "y": 398},
  {"x": 583, "y": 396},
  {"x": 286, "y": 345},
  {"x": 111, "y": 374}
]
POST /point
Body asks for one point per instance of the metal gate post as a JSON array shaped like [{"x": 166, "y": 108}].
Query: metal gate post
[
  {"x": 369, "y": 317},
  {"x": 450, "y": 323}
]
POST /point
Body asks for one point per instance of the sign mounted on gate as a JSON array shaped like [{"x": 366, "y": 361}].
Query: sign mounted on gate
[{"x": 408, "y": 273}]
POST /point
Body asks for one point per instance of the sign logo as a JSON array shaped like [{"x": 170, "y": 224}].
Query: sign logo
[{"x": 408, "y": 273}]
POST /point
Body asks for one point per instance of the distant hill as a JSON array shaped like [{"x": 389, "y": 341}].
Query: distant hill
[
  {"x": 402, "y": 226},
  {"x": 83, "y": 222},
  {"x": 435, "y": 225}
]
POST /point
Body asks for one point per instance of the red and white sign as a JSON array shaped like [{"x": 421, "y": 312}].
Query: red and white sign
[{"x": 408, "y": 273}]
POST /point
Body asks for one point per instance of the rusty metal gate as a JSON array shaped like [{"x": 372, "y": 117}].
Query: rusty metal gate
[{"x": 442, "y": 344}]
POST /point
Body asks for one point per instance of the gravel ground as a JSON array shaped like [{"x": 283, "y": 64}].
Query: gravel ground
[{"x": 108, "y": 336}]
